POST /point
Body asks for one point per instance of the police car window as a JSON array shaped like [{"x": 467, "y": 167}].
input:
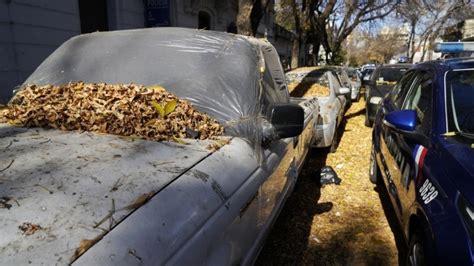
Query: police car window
[
  {"x": 460, "y": 101},
  {"x": 391, "y": 74},
  {"x": 419, "y": 99},
  {"x": 401, "y": 88}
]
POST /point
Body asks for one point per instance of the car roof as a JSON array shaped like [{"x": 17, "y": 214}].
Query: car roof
[
  {"x": 449, "y": 64},
  {"x": 310, "y": 69},
  {"x": 401, "y": 65}
]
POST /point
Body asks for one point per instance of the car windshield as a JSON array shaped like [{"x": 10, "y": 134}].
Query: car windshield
[
  {"x": 391, "y": 74},
  {"x": 460, "y": 101},
  {"x": 367, "y": 72},
  {"x": 352, "y": 74},
  {"x": 314, "y": 83}
]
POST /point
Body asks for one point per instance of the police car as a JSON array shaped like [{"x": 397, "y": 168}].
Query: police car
[{"x": 423, "y": 153}]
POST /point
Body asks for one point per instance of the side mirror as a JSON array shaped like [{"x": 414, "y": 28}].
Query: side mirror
[
  {"x": 344, "y": 90},
  {"x": 287, "y": 119},
  {"x": 404, "y": 120}
]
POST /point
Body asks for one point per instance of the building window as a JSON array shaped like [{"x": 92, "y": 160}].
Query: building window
[
  {"x": 204, "y": 20},
  {"x": 93, "y": 15}
]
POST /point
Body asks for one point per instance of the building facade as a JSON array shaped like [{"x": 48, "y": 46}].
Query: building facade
[{"x": 30, "y": 30}]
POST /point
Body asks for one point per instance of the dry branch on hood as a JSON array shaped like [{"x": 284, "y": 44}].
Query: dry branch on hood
[{"x": 120, "y": 109}]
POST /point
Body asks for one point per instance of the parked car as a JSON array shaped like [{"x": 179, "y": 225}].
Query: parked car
[
  {"x": 379, "y": 84},
  {"x": 98, "y": 199},
  {"x": 366, "y": 71},
  {"x": 321, "y": 82},
  {"x": 342, "y": 75},
  {"x": 423, "y": 154},
  {"x": 355, "y": 84}
]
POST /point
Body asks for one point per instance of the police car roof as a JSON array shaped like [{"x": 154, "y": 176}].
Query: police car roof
[{"x": 452, "y": 63}]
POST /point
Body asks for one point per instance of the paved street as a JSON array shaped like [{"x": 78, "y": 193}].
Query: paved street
[{"x": 336, "y": 225}]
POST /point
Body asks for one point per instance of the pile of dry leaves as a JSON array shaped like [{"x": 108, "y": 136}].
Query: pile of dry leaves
[
  {"x": 308, "y": 89},
  {"x": 124, "y": 109}
]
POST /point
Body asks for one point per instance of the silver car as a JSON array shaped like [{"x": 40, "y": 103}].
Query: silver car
[
  {"x": 95, "y": 199},
  {"x": 355, "y": 84},
  {"x": 322, "y": 83}
]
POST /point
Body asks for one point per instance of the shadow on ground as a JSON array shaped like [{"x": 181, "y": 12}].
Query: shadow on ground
[
  {"x": 353, "y": 238},
  {"x": 393, "y": 222},
  {"x": 289, "y": 236}
]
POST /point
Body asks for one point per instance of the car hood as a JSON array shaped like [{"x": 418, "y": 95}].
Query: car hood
[
  {"x": 460, "y": 168},
  {"x": 58, "y": 188}
]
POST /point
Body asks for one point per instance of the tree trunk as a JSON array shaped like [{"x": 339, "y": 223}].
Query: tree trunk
[
  {"x": 424, "y": 49},
  {"x": 258, "y": 11},
  {"x": 244, "y": 24},
  {"x": 316, "y": 47},
  {"x": 412, "y": 39},
  {"x": 295, "y": 52}
]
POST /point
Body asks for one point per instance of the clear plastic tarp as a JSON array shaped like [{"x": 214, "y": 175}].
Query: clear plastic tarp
[{"x": 218, "y": 73}]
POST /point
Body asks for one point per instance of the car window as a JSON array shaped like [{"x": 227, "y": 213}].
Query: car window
[
  {"x": 344, "y": 78},
  {"x": 419, "y": 98},
  {"x": 460, "y": 101},
  {"x": 340, "y": 80},
  {"x": 336, "y": 82},
  {"x": 314, "y": 83},
  {"x": 390, "y": 74},
  {"x": 353, "y": 75},
  {"x": 401, "y": 88}
]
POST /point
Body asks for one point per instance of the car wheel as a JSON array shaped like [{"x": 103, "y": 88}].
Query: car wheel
[
  {"x": 374, "y": 171},
  {"x": 416, "y": 250}
]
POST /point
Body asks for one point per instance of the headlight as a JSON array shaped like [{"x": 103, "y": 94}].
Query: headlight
[
  {"x": 467, "y": 214},
  {"x": 375, "y": 100}
]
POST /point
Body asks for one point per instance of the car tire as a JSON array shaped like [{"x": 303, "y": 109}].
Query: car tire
[
  {"x": 416, "y": 249},
  {"x": 374, "y": 170}
]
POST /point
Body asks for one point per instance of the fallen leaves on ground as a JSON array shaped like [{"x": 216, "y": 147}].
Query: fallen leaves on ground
[
  {"x": 334, "y": 225},
  {"x": 120, "y": 109}
]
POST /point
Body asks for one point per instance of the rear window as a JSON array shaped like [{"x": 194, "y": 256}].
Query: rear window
[
  {"x": 352, "y": 74},
  {"x": 314, "y": 83},
  {"x": 391, "y": 74}
]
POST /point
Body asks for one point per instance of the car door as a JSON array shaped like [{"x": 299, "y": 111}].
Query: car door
[
  {"x": 341, "y": 100},
  {"x": 403, "y": 154},
  {"x": 278, "y": 165}
]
